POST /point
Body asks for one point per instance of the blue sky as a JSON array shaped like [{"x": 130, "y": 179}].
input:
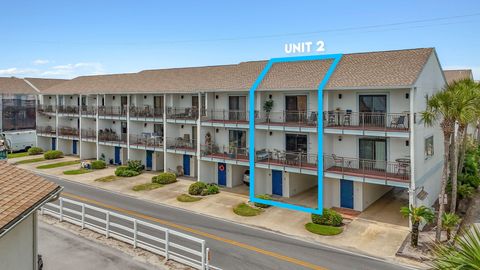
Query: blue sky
[{"x": 66, "y": 39}]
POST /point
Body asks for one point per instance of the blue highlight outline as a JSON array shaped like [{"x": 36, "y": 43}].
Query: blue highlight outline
[{"x": 336, "y": 59}]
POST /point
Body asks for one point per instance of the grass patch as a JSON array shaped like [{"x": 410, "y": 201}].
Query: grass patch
[
  {"x": 323, "y": 229},
  {"x": 246, "y": 210},
  {"x": 187, "y": 198},
  {"x": 107, "y": 179},
  {"x": 58, "y": 164},
  {"x": 33, "y": 160},
  {"x": 17, "y": 155},
  {"x": 78, "y": 171},
  {"x": 146, "y": 186}
]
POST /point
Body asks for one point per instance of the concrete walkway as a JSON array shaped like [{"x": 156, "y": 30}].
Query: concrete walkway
[
  {"x": 62, "y": 249},
  {"x": 362, "y": 235}
]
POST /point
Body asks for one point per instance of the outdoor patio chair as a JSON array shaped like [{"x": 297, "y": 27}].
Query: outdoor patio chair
[
  {"x": 347, "y": 118},
  {"x": 398, "y": 121}
]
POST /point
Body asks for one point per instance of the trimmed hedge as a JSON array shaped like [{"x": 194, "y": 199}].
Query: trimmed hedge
[
  {"x": 98, "y": 164},
  {"x": 196, "y": 188},
  {"x": 135, "y": 165},
  {"x": 264, "y": 197},
  {"x": 329, "y": 217},
  {"x": 164, "y": 178},
  {"x": 200, "y": 188},
  {"x": 53, "y": 154},
  {"x": 124, "y": 171},
  {"x": 35, "y": 151}
]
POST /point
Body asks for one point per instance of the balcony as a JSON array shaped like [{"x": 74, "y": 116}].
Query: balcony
[
  {"x": 47, "y": 109},
  {"x": 287, "y": 120},
  {"x": 46, "y": 131},
  {"x": 68, "y": 132},
  {"x": 89, "y": 111},
  {"x": 146, "y": 113},
  {"x": 225, "y": 118},
  {"x": 182, "y": 145},
  {"x": 355, "y": 122},
  {"x": 376, "y": 171},
  {"x": 214, "y": 152},
  {"x": 89, "y": 135},
  {"x": 184, "y": 114},
  {"x": 109, "y": 136},
  {"x": 287, "y": 160},
  {"x": 68, "y": 110},
  {"x": 112, "y": 111},
  {"x": 146, "y": 140}
]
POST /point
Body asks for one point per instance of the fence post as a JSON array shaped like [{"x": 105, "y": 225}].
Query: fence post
[
  {"x": 83, "y": 216},
  {"x": 208, "y": 259},
  {"x": 203, "y": 256},
  {"x": 167, "y": 245},
  {"x": 61, "y": 209},
  {"x": 134, "y": 233},
  {"x": 107, "y": 225}
]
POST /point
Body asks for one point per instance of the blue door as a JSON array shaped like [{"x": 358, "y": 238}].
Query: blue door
[
  {"x": 186, "y": 164},
  {"x": 54, "y": 143},
  {"x": 149, "y": 159},
  {"x": 222, "y": 174},
  {"x": 117, "y": 155},
  {"x": 74, "y": 144},
  {"x": 277, "y": 183},
  {"x": 346, "y": 193}
]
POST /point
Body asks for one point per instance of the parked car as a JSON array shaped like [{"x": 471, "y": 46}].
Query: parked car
[{"x": 246, "y": 177}]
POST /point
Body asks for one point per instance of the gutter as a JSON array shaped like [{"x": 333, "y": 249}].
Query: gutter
[{"x": 54, "y": 195}]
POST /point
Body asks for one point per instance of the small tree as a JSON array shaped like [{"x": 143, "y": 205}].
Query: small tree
[
  {"x": 449, "y": 221},
  {"x": 267, "y": 107},
  {"x": 417, "y": 215},
  {"x": 465, "y": 254}
]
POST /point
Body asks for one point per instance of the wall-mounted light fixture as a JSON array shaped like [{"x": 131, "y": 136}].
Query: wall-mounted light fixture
[
  {"x": 144, "y": 124},
  {"x": 216, "y": 96},
  {"x": 144, "y": 97},
  {"x": 407, "y": 143},
  {"x": 181, "y": 96},
  {"x": 216, "y": 130},
  {"x": 113, "y": 122},
  {"x": 270, "y": 96},
  {"x": 71, "y": 97},
  {"x": 181, "y": 126},
  {"x": 271, "y": 133},
  {"x": 407, "y": 95},
  {"x": 339, "y": 96},
  {"x": 340, "y": 138},
  {"x": 113, "y": 97}
]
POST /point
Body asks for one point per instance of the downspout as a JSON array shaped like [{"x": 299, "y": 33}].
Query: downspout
[{"x": 412, "y": 190}]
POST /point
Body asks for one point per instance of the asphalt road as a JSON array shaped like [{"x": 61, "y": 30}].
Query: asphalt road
[{"x": 236, "y": 246}]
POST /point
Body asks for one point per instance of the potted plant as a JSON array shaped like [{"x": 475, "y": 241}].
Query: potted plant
[
  {"x": 267, "y": 107},
  {"x": 231, "y": 152}
]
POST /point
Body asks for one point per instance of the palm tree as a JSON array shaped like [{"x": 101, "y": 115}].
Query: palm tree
[
  {"x": 440, "y": 107},
  {"x": 417, "y": 216},
  {"x": 465, "y": 254},
  {"x": 449, "y": 221}
]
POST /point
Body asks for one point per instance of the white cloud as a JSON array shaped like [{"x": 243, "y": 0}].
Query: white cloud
[
  {"x": 17, "y": 71},
  {"x": 74, "y": 70},
  {"x": 41, "y": 62}
]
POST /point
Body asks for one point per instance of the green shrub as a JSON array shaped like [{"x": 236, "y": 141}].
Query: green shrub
[
  {"x": 323, "y": 229},
  {"x": 263, "y": 197},
  {"x": 187, "y": 198},
  {"x": 471, "y": 180},
  {"x": 246, "y": 210},
  {"x": 164, "y": 178},
  {"x": 196, "y": 188},
  {"x": 212, "y": 189},
  {"x": 465, "y": 191},
  {"x": 135, "y": 165},
  {"x": 124, "y": 171},
  {"x": 35, "y": 151},
  {"x": 98, "y": 164},
  {"x": 329, "y": 217},
  {"x": 53, "y": 154}
]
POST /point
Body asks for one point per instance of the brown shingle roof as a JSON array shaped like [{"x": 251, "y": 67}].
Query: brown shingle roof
[
  {"x": 373, "y": 69},
  {"x": 12, "y": 85},
  {"x": 19, "y": 191},
  {"x": 457, "y": 74}
]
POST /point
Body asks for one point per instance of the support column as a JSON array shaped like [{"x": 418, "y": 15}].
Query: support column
[
  {"x": 128, "y": 126},
  {"x": 80, "y": 125},
  {"x": 411, "y": 125},
  {"x": 164, "y": 132},
  {"x": 97, "y": 125},
  {"x": 199, "y": 125}
]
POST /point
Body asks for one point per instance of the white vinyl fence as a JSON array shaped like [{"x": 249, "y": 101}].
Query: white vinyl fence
[{"x": 165, "y": 242}]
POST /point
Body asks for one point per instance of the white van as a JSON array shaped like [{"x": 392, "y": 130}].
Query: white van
[{"x": 19, "y": 140}]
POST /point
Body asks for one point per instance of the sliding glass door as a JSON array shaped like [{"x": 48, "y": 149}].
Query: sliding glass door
[
  {"x": 295, "y": 108},
  {"x": 372, "y": 109},
  {"x": 373, "y": 153},
  {"x": 237, "y": 106}
]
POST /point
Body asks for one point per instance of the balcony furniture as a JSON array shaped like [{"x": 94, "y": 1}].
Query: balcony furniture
[
  {"x": 347, "y": 117},
  {"x": 313, "y": 118},
  {"x": 403, "y": 165},
  {"x": 341, "y": 161},
  {"x": 398, "y": 121},
  {"x": 262, "y": 154}
]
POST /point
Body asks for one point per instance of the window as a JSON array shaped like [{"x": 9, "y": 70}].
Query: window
[{"x": 428, "y": 147}]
